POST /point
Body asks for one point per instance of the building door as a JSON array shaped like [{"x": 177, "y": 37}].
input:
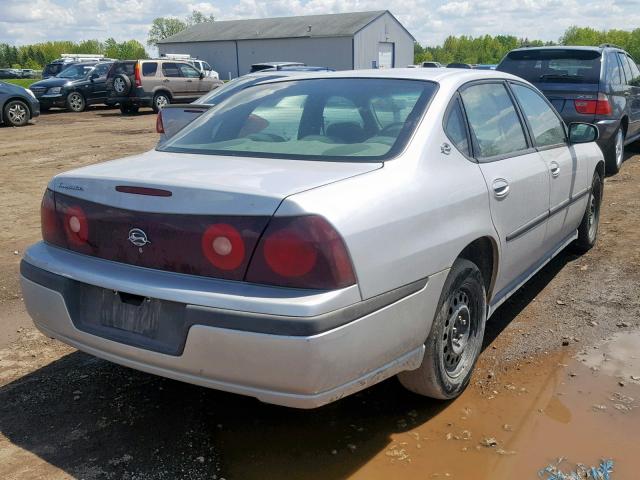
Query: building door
[{"x": 385, "y": 55}]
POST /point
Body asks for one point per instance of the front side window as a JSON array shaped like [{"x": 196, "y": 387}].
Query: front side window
[
  {"x": 170, "y": 70},
  {"x": 494, "y": 123},
  {"x": 332, "y": 119},
  {"x": 545, "y": 125},
  {"x": 455, "y": 128},
  {"x": 188, "y": 71}
]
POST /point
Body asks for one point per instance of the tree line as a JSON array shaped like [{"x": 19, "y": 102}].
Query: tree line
[
  {"x": 37, "y": 55},
  {"x": 489, "y": 49}
]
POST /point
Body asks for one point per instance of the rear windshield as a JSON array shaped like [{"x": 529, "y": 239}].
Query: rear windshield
[
  {"x": 554, "y": 65},
  {"x": 339, "y": 119},
  {"x": 222, "y": 93}
]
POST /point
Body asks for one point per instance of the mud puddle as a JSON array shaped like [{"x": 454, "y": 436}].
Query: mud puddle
[{"x": 584, "y": 409}]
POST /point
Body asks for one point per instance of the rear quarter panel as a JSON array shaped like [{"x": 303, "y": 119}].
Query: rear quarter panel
[{"x": 409, "y": 219}]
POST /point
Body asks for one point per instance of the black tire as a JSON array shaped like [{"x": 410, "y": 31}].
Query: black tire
[
  {"x": 121, "y": 85},
  {"x": 614, "y": 152},
  {"x": 128, "y": 109},
  {"x": 455, "y": 341},
  {"x": 43, "y": 109},
  {"x": 588, "y": 229},
  {"x": 16, "y": 113},
  {"x": 160, "y": 99},
  {"x": 76, "y": 102}
]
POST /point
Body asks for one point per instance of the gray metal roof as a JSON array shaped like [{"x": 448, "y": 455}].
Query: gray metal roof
[{"x": 332, "y": 25}]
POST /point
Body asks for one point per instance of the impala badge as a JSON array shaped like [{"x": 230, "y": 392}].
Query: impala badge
[{"x": 138, "y": 237}]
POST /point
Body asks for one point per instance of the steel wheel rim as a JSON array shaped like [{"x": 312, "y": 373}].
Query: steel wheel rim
[
  {"x": 118, "y": 85},
  {"x": 75, "y": 101},
  {"x": 460, "y": 336},
  {"x": 161, "y": 101},
  {"x": 619, "y": 147},
  {"x": 17, "y": 113}
]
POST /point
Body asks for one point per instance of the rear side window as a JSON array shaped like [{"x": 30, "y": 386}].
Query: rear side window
[
  {"x": 635, "y": 73},
  {"x": 625, "y": 67},
  {"x": 614, "y": 70},
  {"x": 170, "y": 70},
  {"x": 494, "y": 122},
  {"x": 545, "y": 125},
  {"x": 455, "y": 128},
  {"x": 149, "y": 69},
  {"x": 554, "y": 65}
]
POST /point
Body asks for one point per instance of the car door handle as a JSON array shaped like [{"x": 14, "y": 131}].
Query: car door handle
[
  {"x": 189, "y": 81},
  {"x": 166, "y": 80},
  {"x": 500, "y": 188},
  {"x": 555, "y": 169}
]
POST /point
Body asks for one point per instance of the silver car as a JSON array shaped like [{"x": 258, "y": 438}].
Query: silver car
[{"x": 309, "y": 237}]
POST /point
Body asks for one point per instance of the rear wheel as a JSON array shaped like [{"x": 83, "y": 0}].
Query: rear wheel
[
  {"x": 614, "y": 156},
  {"x": 455, "y": 340},
  {"x": 16, "y": 113},
  {"x": 160, "y": 100},
  {"x": 76, "y": 102},
  {"x": 588, "y": 229}
]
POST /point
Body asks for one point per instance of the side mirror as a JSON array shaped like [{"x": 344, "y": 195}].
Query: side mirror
[
  {"x": 582, "y": 133},
  {"x": 201, "y": 75},
  {"x": 92, "y": 77}
]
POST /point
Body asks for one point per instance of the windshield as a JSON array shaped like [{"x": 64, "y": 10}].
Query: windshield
[
  {"x": 553, "y": 65},
  {"x": 52, "y": 69},
  {"x": 76, "y": 71},
  {"x": 332, "y": 119}
]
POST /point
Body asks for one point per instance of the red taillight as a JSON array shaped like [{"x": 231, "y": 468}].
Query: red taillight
[
  {"x": 159, "y": 124},
  {"x": 51, "y": 231},
  {"x": 301, "y": 252},
  {"x": 137, "y": 74},
  {"x": 601, "y": 106},
  {"x": 76, "y": 225},
  {"x": 223, "y": 246}
]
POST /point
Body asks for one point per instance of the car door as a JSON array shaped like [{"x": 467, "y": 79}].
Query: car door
[
  {"x": 98, "y": 83},
  {"x": 517, "y": 179},
  {"x": 173, "y": 80},
  {"x": 569, "y": 179},
  {"x": 192, "y": 79}
]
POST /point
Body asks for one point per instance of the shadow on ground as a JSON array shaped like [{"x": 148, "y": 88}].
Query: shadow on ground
[{"x": 93, "y": 419}]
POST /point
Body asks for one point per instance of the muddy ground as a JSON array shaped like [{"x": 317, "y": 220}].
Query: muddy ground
[{"x": 65, "y": 414}]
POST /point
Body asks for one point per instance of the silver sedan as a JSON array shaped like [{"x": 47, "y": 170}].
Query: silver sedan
[{"x": 309, "y": 237}]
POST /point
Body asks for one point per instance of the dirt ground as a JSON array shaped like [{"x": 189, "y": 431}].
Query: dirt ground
[{"x": 559, "y": 376}]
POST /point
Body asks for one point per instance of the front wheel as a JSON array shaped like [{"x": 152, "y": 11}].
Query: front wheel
[
  {"x": 455, "y": 341},
  {"x": 76, "y": 102},
  {"x": 588, "y": 229},
  {"x": 16, "y": 113}
]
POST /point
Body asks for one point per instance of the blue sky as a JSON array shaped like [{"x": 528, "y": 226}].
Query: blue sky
[{"x": 430, "y": 21}]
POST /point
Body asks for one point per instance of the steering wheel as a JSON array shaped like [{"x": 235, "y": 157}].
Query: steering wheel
[{"x": 391, "y": 130}]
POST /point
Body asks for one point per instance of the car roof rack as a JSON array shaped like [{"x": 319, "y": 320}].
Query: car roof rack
[{"x": 610, "y": 45}]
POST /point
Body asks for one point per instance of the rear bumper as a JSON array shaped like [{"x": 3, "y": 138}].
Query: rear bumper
[{"x": 293, "y": 368}]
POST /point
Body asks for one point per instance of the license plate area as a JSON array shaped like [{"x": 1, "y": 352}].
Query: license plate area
[{"x": 143, "y": 322}]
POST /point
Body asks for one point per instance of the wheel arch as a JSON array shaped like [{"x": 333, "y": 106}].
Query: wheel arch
[
  {"x": 484, "y": 252},
  {"x": 624, "y": 123},
  {"x": 164, "y": 90}
]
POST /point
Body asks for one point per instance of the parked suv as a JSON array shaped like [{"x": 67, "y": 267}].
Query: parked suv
[
  {"x": 75, "y": 88},
  {"x": 598, "y": 85},
  {"x": 156, "y": 83}
]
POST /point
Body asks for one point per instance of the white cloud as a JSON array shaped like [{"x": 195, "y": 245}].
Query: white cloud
[{"x": 430, "y": 21}]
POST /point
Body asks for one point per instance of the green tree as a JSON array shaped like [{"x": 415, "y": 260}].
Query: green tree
[
  {"x": 162, "y": 28},
  {"x": 197, "y": 17}
]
